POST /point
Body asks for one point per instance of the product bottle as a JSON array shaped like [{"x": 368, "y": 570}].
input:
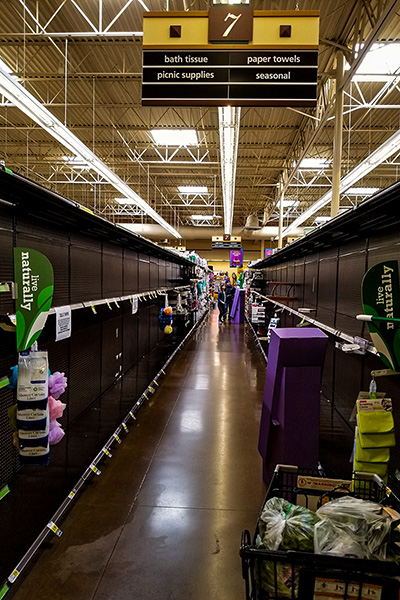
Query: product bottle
[
  {"x": 372, "y": 389},
  {"x": 32, "y": 407}
]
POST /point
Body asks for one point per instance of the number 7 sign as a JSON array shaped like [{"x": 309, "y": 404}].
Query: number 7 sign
[
  {"x": 226, "y": 23},
  {"x": 232, "y": 25}
]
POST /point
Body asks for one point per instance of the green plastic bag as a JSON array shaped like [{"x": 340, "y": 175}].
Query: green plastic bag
[{"x": 286, "y": 526}]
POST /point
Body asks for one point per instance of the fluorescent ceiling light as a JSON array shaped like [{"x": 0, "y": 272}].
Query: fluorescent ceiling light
[
  {"x": 314, "y": 164},
  {"x": 289, "y": 203},
  {"x": 29, "y": 105},
  {"x": 381, "y": 63},
  {"x": 322, "y": 219},
  {"x": 229, "y": 122},
  {"x": 73, "y": 159},
  {"x": 8, "y": 70},
  {"x": 76, "y": 161},
  {"x": 175, "y": 137},
  {"x": 5, "y": 67},
  {"x": 205, "y": 217},
  {"x": 370, "y": 77},
  {"x": 124, "y": 200},
  {"x": 217, "y": 2},
  {"x": 193, "y": 189},
  {"x": 366, "y": 166},
  {"x": 362, "y": 191}
]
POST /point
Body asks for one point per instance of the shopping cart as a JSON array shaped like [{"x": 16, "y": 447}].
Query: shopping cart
[{"x": 305, "y": 576}]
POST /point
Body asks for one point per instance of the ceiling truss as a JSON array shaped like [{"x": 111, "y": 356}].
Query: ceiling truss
[{"x": 89, "y": 76}]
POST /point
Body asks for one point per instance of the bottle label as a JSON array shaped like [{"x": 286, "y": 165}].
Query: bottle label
[
  {"x": 31, "y": 414},
  {"x": 33, "y": 391},
  {"x": 35, "y": 451}
]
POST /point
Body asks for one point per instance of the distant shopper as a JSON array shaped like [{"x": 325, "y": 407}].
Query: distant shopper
[
  {"x": 230, "y": 294},
  {"x": 226, "y": 278},
  {"x": 222, "y": 304}
]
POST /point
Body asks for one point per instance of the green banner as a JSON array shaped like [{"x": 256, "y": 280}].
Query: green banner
[
  {"x": 381, "y": 298},
  {"x": 34, "y": 279}
]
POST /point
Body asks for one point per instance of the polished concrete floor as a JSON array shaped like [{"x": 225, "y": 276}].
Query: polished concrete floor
[{"x": 164, "y": 519}]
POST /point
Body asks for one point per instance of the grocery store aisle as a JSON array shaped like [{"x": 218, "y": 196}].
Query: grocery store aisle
[{"x": 164, "y": 519}]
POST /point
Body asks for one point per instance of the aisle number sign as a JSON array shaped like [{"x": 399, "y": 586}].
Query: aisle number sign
[
  {"x": 226, "y": 242},
  {"x": 230, "y": 56},
  {"x": 227, "y": 23}
]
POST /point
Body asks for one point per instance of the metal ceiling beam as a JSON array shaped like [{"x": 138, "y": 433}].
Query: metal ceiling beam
[
  {"x": 137, "y": 77},
  {"x": 209, "y": 128},
  {"x": 387, "y": 171},
  {"x": 99, "y": 29},
  {"x": 117, "y": 148},
  {"x": 41, "y": 39},
  {"x": 141, "y": 127}
]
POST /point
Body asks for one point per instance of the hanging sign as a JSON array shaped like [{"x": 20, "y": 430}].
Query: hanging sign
[
  {"x": 226, "y": 245},
  {"x": 230, "y": 57},
  {"x": 381, "y": 299},
  {"x": 34, "y": 279},
  {"x": 235, "y": 78},
  {"x": 236, "y": 258},
  {"x": 226, "y": 242}
]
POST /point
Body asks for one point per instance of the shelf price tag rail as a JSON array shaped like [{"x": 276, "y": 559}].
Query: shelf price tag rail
[
  {"x": 52, "y": 525},
  {"x": 336, "y": 332},
  {"x": 256, "y": 339},
  {"x": 140, "y": 295}
]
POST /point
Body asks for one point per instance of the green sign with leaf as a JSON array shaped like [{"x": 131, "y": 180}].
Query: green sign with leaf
[
  {"x": 34, "y": 279},
  {"x": 381, "y": 299}
]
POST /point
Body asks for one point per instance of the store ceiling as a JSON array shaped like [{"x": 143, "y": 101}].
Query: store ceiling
[{"x": 91, "y": 81}]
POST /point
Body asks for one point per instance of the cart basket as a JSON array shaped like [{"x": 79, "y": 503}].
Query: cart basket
[{"x": 270, "y": 575}]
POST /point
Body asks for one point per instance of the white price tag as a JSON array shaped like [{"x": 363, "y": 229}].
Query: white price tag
[{"x": 63, "y": 322}]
